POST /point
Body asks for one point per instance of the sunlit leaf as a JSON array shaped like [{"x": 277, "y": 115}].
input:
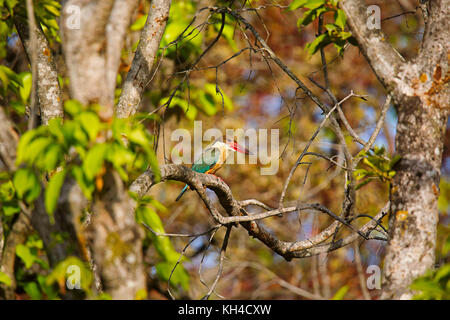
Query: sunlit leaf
[{"x": 53, "y": 190}]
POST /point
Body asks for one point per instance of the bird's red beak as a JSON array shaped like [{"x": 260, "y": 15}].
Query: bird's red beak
[{"x": 239, "y": 148}]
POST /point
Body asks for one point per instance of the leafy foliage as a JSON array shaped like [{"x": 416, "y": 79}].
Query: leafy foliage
[
  {"x": 435, "y": 285},
  {"x": 146, "y": 214},
  {"x": 209, "y": 99},
  {"x": 378, "y": 166},
  {"x": 334, "y": 32},
  {"x": 81, "y": 147}
]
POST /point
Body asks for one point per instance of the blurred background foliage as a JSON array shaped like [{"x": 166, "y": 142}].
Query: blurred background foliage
[{"x": 245, "y": 92}]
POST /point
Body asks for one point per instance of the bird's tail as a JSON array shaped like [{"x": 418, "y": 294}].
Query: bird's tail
[{"x": 182, "y": 192}]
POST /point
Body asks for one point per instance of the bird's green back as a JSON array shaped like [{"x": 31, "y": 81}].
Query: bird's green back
[{"x": 208, "y": 159}]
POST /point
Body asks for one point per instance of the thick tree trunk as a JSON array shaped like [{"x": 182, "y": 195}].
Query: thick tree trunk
[
  {"x": 116, "y": 241},
  {"x": 420, "y": 91},
  {"x": 414, "y": 193}
]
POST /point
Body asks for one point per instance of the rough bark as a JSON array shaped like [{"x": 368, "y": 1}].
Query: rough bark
[
  {"x": 141, "y": 68},
  {"x": 70, "y": 206},
  {"x": 84, "y": 52},
  {"x": 116, "y": 241},
  {"x": 22, "y": 227},
  {"x": 92, "y": 55},
  {"x": 115, "y": 32},
  {"x": 18, "y": 234},
  {"x": 8, "y": 141},
  {"x": 420, "y": 92},
  {"x": 48, "y": 90}
]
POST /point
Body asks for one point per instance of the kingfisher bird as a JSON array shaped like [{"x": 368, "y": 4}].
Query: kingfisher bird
[{"x": 214, "y": 156}]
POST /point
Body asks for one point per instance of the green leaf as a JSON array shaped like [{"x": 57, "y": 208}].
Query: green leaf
[
  {"x": 49, "y": 291},
  {"x": 52, "y": 157},
  {"x": 87, "y": 186},
  {"x": 36, "y": 149},
  {"x": 345, "y": 35},
  {"x": 149, "y": 217},
  {"x": 139, "y": 23},
  {"x": 319, "y": 42},
  {"x": 330, "y": 27},
  {"x": 25, "y": 254},
  {"x": 189, "y": 109},
  {"x": 53, "y": 190},
  {"x": 94, "y": 160},
  {"x": 26, "y": 184},
  {"x": 12, "y": 3},
  {"x": 139, "y": 137},
  {"x": 25, "y": 90},
  {"x": 18, "y": 107},
  {"x": 25, "y": 140},
  {"x": 179, "y": 275},
  {"x": 442, "y": 272},
  {"x": 53, "y": 9},
  {"x": 339, "y": 295},
  {"x": 90, "y": 123},
  {"x": 73, "y": 107},
  {"x": 297, "y": 4},
  {"x": 4, "y": 278},
  {"x": 65, "y": 268},
  {"x": 32, "y": 289},
  {"x": 313, "y": 4},
  {"x": 212, "y": 90},
  {"x": 309, "y": 16},
  {"x": 340, "y": 18},
  {"x": 7, "y": 191},
  {"x": 10, "y": 208},
  {"x": 207, "y": 103}
]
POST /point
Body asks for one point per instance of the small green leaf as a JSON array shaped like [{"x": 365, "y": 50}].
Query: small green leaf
[
  {"x": 53, "y": 190},
  {"x": 139, "y": 23},
  {"x": 10, "y": 208},
  {"x": 339, "y": 295},
  {"x": 24, "y": 253},
  {"x": 70, "y": 267},
  {"x": 320, "y": 42},
  {"x": 330, "y": 27},
  {"x": 73, "y": 107},
  {"x": 313, "y": 4},
  {"x": 297, "y": 4},
  {"x": 94, "y": 160},
  {"x": 32, "y": 289},
  {"x": 179, "y": 275},
  {"x": 139, "y": 137},
  {"x": 340, "y": 18},
  {"x": 36, "y": 149},
  {"x": 309, "y": 16},
  {"x": 87, "y": 186},
  {"x": 90, "y": 123},
  {"x": 18, "y": 107},
  {"x": 24, "y": 142},
  {"x": 344, "y": 35},
  {"x": 25, "y": 90},
  {"x": 149, "y": 217},
  {"x": 52, "y": 157},
  {"x": 4, "y": 278},
  {"x": 26, "y": 184}
]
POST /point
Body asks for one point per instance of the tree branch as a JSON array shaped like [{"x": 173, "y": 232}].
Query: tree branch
[
  {"x": 289, "y": 250},
  {"x": 382, "y": 57},
  {"x": 116, "y": 30},
  {"x": 141, "y": 68},
  {"x": 46, "y": 76}
]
